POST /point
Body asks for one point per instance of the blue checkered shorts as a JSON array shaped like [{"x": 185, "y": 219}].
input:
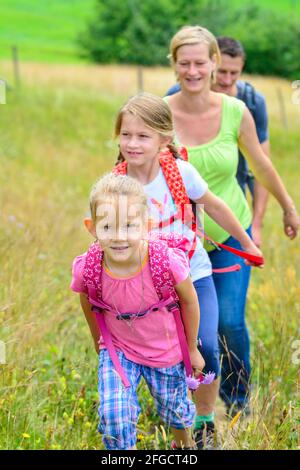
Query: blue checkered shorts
[{"x": 119, "y": 408}]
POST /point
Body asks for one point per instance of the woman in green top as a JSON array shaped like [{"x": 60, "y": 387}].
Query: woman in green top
[{"x": 213, "y": 126}]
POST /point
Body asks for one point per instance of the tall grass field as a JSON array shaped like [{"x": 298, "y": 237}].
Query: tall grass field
[{"x": 56, "y": 140}]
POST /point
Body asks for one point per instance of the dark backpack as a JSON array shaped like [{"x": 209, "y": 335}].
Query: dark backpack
[{"x": 248, "y": 95}]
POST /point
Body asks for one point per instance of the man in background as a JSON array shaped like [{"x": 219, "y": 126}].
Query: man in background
[{"x": 227, "y": 81}]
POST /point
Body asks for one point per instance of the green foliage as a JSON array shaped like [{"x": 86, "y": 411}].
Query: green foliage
[
  {"x": 271, "y": 41},
  {"x": 130, "y": 32},
  {"x": 136, "y": 32}
]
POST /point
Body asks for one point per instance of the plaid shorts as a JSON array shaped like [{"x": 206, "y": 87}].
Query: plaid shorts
[{"x": 119, "y": 408}]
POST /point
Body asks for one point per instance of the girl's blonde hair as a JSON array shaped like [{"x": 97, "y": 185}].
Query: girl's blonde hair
[
  {"x": 112, "y": 187},
  {"x": 189, "y": 35},
  {"x": 154, "y": 112}
]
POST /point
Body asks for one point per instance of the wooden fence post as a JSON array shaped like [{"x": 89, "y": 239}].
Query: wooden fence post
[
  {"x": 16, "y": 67},
  {"x": 282, "y": 110},
  {"x": 140, "y": 79},
  {"x": 2, "y": 91}
]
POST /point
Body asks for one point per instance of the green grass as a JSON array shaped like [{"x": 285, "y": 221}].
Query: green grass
[
  {"x": 45, "y": 30},
  {"x": 55, "y": 142}
]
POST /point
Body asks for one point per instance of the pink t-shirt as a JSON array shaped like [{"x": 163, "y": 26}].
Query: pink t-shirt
[{"x": 151, "y": 340}]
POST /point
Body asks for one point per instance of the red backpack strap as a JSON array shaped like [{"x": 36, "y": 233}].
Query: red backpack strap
[
  {"x": 177, "y": 189},
  {"x": 174, "y": 179},
  {"x": 120, "y": 169}
]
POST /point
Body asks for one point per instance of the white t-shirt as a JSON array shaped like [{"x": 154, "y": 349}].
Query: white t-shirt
[{"x": 160, "y": 202}]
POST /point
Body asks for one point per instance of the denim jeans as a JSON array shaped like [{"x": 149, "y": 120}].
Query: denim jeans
[{"x": 233, "y": 334}]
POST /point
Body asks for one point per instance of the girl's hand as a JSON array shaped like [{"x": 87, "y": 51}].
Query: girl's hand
[
  {"x": 291, "y": 222},
  {"x": 251, "y": 248},
  {"x": 197, "y": 361}
]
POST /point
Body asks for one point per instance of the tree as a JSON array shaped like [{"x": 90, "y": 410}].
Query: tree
[{"x": 139, "y": 32}]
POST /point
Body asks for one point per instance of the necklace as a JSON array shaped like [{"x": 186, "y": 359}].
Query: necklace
[{"x": 129, "y": 317}]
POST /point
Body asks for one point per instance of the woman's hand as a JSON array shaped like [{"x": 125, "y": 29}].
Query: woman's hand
[
  {"x": 197, "y": 361},
  {"x": 291, "y": 222},
  {"x": 256, "y": 234},
  {"x": 251, "y": 248}
]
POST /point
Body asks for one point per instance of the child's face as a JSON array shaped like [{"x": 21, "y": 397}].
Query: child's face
[
  {"x": 139, "y": 144},
  {"x": 120, "y": 228}
]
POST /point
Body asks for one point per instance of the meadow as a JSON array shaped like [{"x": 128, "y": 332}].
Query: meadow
[{"x": 56, "y": 139}]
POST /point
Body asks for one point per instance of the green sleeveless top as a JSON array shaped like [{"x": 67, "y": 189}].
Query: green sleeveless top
[{"x": 217, "y": 162}]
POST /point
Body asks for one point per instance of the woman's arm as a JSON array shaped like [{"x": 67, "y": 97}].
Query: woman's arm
[
  {"x": 260, "y": 200},
  {"x": 190, "y": 313},
  {"x": 223, "y": 215},
  {"x": 91, "y": 320},
  {"x": 266, "y": 174}
]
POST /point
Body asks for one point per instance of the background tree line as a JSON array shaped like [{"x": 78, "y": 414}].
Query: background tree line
[{"x": 138, "y": 32}]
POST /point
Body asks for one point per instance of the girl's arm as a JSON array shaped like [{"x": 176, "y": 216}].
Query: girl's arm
[
  {"x": 190, "y": 313},
  {"x": 223, "y": 215},
  {"x": 91, "y": 320},
  {"x": 266, "y": 174}
]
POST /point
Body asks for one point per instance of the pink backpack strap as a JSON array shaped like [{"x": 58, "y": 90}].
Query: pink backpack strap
[
  {"x": 161, "y": 276},
  {"x": 92, "y": 277},
  {"x": 92, "y": 273}
]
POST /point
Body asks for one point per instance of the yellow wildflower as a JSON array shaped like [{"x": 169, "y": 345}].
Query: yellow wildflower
[{"x": 234, "y": 420}]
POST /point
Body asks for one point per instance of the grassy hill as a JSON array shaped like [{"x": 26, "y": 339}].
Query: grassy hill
[{"x": 46, "y": 30}]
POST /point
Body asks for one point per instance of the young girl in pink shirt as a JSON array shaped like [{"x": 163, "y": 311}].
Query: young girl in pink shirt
[{"x": 145, "y": 341}]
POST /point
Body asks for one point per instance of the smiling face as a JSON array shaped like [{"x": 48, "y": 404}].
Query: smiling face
[
  {"x": 139, "y": 144},
  {"x": 227, "y": 74},
  {"x": 120, "y": 227},
  {"x": 194, "y": 67}
]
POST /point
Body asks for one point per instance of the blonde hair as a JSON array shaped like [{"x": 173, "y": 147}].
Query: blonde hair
[
  {"x": 112, "y": 187},
  {"x": 189, "y": 35},
  {"x": 154, "y": 112}
]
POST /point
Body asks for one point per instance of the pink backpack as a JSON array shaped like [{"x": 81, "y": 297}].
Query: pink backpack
[{"x": 160, "y": 270}]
